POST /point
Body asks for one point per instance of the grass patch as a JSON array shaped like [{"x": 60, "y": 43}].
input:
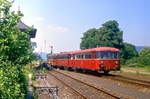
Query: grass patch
[
  {"x": 35, "y": 82},
  {"x": 138, "y": 69},
  {"x": 135, "y": 74}
]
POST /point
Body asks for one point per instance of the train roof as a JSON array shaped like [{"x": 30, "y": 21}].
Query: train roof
[
  {"x": 96, "y": 49},
  {"x": 88, "y": 50}
]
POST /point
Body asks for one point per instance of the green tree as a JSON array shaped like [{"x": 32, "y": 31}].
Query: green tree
[
  {"x": 145, "y": 52},
  {"x": 107, "y": 35},
  {"x": 16, "y": 52},
  {"x": 142, "y": 60},
  {"x": 129, "y": 51},
  {"x": 89, "y": 39},
  {"x": 111, "y": 35},
  {"x": 15, "y": 44},
  {"x": 144, "y": 56}
]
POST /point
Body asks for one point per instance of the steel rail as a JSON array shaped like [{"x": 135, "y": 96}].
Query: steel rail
[
  {"x": 98, "y": 89},
  {"x": 129, "y": 80},
  {"x": 75, "y": 91}
]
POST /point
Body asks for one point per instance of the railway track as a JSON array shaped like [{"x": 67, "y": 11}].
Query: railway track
[
  {"x": 85, "y": 90},
  {"x": 75, "y": 91},
  {"x": 121, "y": 78},
  {"x": 129, "y": 80}
]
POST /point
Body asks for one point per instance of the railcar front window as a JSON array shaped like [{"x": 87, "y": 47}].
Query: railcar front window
[{"x": 107, "y": 55}]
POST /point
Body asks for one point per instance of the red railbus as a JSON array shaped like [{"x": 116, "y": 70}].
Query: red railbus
[{"x": 96, "y": 59}]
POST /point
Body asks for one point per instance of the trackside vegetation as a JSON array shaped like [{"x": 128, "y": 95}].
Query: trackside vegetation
[
  {"x": 15, "y": 53},
  {"x": 142, "y": 60}
]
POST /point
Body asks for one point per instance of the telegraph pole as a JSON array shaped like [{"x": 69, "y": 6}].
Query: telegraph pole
[{"x": 51, "y": 49}]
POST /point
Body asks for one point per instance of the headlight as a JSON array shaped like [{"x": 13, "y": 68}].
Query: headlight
[
  {"x": 116, "y": 62},
  {"x": 102, "y": 62},
  {"x": 102, "y": 65}
]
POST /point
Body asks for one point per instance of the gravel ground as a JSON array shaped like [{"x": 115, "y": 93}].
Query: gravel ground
[
  {"x": 43, "y": 83},
  {"x": 42, "y": 95},
  {"x": 88, "y": 92},
  {"x": 114, "y": 86},
  {"x": 63, "y": 91}
]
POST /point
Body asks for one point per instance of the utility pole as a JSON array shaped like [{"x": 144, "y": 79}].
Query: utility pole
[{"x": 51, "y": 49}]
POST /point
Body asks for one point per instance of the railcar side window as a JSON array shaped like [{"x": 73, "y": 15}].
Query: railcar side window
[
  {"x": 62, "y": 57},
  {"x": 79, "y": 56},
  {"x": 88, "y": 55},
  {"x": 73, "y": 56},
  {"x": 83, "y": 56}
]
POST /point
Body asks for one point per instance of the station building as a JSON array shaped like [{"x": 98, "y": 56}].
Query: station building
[
  {"x": 23, "y": 27},
  {"x": 32, "y": 33}
]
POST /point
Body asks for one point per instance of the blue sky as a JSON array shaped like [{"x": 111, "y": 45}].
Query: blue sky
[{"x": 61, "y": 23}]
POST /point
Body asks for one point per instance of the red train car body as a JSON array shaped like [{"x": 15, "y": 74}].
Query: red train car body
[{"x": 95, "y": 59}]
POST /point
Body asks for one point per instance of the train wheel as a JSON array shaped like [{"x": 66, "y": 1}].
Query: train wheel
[
  {"x": 65, "y": 68},
  {"x": 74, "y": 69},
  {"x": 84, "y": 71},
  {"x": 78, "y": 70},
  {"x": 106, "y": 72}
]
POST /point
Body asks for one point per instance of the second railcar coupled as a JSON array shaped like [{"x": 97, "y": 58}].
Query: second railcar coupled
[{"x": 96, "y": 59}]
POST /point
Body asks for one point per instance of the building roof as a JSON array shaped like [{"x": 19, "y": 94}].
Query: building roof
[{"x": 24, "y": 27}]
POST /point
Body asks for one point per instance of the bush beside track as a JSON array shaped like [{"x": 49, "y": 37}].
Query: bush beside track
[{"x": 15, "y": 54}]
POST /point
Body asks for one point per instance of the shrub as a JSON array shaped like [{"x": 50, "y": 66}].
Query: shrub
[
  {"x": 142, "y": 60},
  {"x": 12, "y": 81}
]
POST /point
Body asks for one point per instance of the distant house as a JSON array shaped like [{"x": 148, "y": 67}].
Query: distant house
[{"x": 23, "y": 27}]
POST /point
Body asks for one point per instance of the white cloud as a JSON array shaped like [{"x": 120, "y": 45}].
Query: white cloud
[{"x": 57, "y": 28}]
